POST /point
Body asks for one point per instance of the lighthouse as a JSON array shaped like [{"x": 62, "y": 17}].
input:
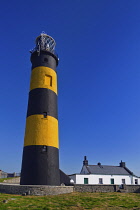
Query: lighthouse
[{"x": 40, "y": 160}]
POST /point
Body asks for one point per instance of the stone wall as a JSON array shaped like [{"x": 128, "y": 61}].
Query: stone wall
[
  {"x": 95, "y": 188},
  {"x": 55, "y": 190},
  {"x": 133, "y": 188},
  {"x": 107, "y": 188},
  {"x": 34, "y": 189}
]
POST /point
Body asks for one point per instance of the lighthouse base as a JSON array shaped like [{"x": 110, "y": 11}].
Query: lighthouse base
[{"x": 40, "y": 166}]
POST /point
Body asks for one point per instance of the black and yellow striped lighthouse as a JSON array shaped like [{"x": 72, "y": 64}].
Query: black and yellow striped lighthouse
[{"x": 40, "y": 161}]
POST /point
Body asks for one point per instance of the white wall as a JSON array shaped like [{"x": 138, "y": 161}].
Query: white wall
[{"x": 94, "y": 179}]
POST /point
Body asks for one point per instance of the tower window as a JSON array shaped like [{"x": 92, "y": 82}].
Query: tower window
[
  {"x": 46, "y": 59},
  {"x": 45, "y": 114},
  {"x": 44, "y": 149},
  {"x": 48, "y": 80}
]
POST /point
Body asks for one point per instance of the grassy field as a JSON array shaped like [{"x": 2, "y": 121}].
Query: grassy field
[
  {"x": 74, "y": 201},
  {"x": 2, "y": 179}
]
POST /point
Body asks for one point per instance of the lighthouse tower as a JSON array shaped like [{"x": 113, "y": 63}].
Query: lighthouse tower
[{"x": 40, "y": 161}]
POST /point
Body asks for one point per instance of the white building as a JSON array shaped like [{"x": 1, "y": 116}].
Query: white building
[{"x": 104, "y": 174}]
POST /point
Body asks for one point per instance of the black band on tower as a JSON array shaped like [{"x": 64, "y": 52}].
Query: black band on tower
[
  {"x": 45, "y": 58},
  {"x": 34, "y": 171},
  {"x": 42, "y": 100}
]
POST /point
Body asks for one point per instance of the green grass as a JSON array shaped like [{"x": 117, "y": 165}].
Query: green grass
[
  {"x": 2, "y": 179},
  {"x": 73, "y": 201}
]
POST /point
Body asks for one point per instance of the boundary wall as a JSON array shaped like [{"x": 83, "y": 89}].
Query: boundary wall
[
  {"x": 55, "y": 190},
  {"x": 34, "y": 189},
  {"x": 107, "y": 188}
]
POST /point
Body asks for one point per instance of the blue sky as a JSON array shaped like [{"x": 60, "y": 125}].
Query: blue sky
[{"x": 98, "y": 43}]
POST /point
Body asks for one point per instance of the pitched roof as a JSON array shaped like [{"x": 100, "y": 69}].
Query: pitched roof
[{"x": 108, "y": 170}]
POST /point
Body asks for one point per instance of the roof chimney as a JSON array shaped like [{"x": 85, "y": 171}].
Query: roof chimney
[
  {"x": 85, "y": 162},
  {"x": 122, "y": 164}
]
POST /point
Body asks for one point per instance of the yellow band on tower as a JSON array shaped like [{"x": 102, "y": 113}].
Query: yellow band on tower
[
  {"x": 43, "y": 77},
  {"x": 41, "y": 131}
]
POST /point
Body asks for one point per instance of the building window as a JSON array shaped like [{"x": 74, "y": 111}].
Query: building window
[
  {"x": 112, "y": 181},
  {"x": 123, "y": 181},
  {"x": 136, "y": 181},
  {"x": 85, "y": 180},
  {"x": 100, "y": 181}
]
